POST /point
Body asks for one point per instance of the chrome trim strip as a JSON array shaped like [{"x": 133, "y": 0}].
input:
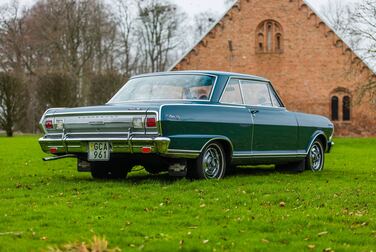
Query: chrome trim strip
[
  {"x": 183, "y": 151},
  {"x": 267, "y": 154},
  {"x": 160, "y": 143},
  {"x": 248, "y": 155},
  {"x": 155, "y": 133},
  {"x": 125, "y": 112},
  {"x": 97, "y": 139},
  {"x": 218, "y": 138},
  {"x": 271, "y": 156}
]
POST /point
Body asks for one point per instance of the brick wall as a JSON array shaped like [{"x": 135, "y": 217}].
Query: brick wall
[{"x": 314, "y": 64}]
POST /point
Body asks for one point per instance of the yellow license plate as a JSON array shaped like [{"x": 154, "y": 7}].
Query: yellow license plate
[{"x": 99, "y": 151}]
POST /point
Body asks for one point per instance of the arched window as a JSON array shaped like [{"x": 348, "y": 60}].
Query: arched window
[
  {"x": 346, "y": 104},
  {"x": 269, "y": 37},
  {"x": 335, "y": 116},
  {"x": 340, "y": 104},
  {"x": 278, "y": 42},
  {"x": 260, "y": 42}
]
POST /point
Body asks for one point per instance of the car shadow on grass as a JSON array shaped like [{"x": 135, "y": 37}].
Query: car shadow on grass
[
  {"x": 253, "y": 171},
  {"x": 142, "y": 177},
  {"x": 132, "y": 178}
]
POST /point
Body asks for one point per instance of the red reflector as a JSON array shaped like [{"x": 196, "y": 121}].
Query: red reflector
[
  {"x": 145, "y": 149},
  {"x": 53, "y": 150},
  {"x": 151, "y": 122},
  {"x": 48, "y": 124}
]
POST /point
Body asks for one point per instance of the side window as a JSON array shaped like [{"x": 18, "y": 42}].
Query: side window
[
  {"x": 232, "y": 93},
  {"x": 256, "y": 93},
  {"x": 276, "y": 102}
]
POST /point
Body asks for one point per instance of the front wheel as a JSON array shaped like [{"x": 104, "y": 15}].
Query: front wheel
[
  {"x": 211, "y": 164},
  {"x": 315, "y": 158}
]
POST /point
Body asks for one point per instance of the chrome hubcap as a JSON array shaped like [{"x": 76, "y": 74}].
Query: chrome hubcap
[
  {"x": 315, "y": 157},
  {"x": 212, "y": 162}
]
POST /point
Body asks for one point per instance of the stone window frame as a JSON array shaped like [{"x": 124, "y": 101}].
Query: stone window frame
[
  {"x": 341, "y": 105},
  {"x": 269, "y": 37}
]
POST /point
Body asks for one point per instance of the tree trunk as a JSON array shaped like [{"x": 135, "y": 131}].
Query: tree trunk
[{"x": 9, "y": 132}]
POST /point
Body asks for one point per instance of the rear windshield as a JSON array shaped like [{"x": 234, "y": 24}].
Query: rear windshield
[{"x": 166, "y": 87}]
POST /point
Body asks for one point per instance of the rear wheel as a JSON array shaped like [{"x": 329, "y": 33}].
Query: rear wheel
[
  {"x": 211, "y": 164},
  {"x": 315, "y": 158},
  {"x": 109, "y": 170}
]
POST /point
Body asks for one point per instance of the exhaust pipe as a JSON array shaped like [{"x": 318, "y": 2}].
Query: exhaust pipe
[{"x": 59, "y": 157}]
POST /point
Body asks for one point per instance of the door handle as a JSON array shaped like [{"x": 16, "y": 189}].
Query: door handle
[{"x": 254, "y": 112}]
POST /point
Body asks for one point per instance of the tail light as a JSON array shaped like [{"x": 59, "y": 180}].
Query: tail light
[
  {"x": 48, "y": 124},
  {"x": 145, "y": 150},
  {"x": 53, "y": 150},
  {"x": 151, "y": 122}
]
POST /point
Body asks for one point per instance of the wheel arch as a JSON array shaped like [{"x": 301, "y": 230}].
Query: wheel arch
[
  {"x": 226, "y": 144},
  {"x": 320, "y": 135}
]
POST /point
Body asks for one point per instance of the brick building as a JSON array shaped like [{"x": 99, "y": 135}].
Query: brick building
[{"x": 285, "y": 41}]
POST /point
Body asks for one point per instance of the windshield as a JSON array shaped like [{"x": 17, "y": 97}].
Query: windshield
[{"x": 166, "y": 87}]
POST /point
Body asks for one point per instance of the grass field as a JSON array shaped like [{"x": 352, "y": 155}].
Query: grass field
[{"x": 45, "y": 204}]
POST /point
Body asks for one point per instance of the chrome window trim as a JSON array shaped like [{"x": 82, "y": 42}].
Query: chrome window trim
[
  {"x": 164, "y": 100},
  {"x": 167, "y": 74},
  {"x": 270, "y": 95},
  {"x": 241, "y": 90},
  {"x": 262, "y": 82},
  {"x": 224, "y": 90},
  {"x": 272, "y": 89}
]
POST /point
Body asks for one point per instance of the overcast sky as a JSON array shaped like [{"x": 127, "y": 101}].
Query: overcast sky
[{"x": 195, "y": 6}]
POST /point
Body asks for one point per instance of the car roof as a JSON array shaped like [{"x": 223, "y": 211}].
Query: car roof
[{"x": 217, "y": 73}]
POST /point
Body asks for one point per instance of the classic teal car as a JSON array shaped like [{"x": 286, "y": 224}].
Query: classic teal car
[{"x": 199, "y": 124}]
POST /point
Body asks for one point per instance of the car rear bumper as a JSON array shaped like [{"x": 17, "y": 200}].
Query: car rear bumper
[{"x": 156, "y": 145}]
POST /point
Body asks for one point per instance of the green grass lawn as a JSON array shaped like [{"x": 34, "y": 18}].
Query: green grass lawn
[{"x": 50, "y": 203}]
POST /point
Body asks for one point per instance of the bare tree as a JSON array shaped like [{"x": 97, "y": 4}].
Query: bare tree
[
  {"x": 126, "y": 50},
  {"x": 56, "y": 89},
  {"x": 11, "y": 105},
  {"x": 202, "y": 23},
  {"x": 157, "y": 31},
  {"x": 356, "y": 24},
  {"x": 75, "y": 37},
  {"x": 12, "y": 37},
  {"x": 77, "y": 52},
  {"x": 363, "y": 28},
  {"x": 104, "y": 86},
  {"x": 338, "y": 15}
]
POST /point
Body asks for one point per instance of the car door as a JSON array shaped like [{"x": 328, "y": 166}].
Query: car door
[
  {"x": 242, "y": 122},
  {"x": 275, "y": 130}
]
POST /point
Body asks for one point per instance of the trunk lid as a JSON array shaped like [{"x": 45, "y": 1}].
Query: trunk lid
[{"x": 105, "y": 120}]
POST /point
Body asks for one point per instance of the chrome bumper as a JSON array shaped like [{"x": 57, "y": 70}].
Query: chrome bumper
[
  {"x": 330, "y": 146},
  {"x": 118, "y": 145}
]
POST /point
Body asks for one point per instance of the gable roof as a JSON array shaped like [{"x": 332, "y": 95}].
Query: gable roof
[{"x": 302, "y": 3}]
